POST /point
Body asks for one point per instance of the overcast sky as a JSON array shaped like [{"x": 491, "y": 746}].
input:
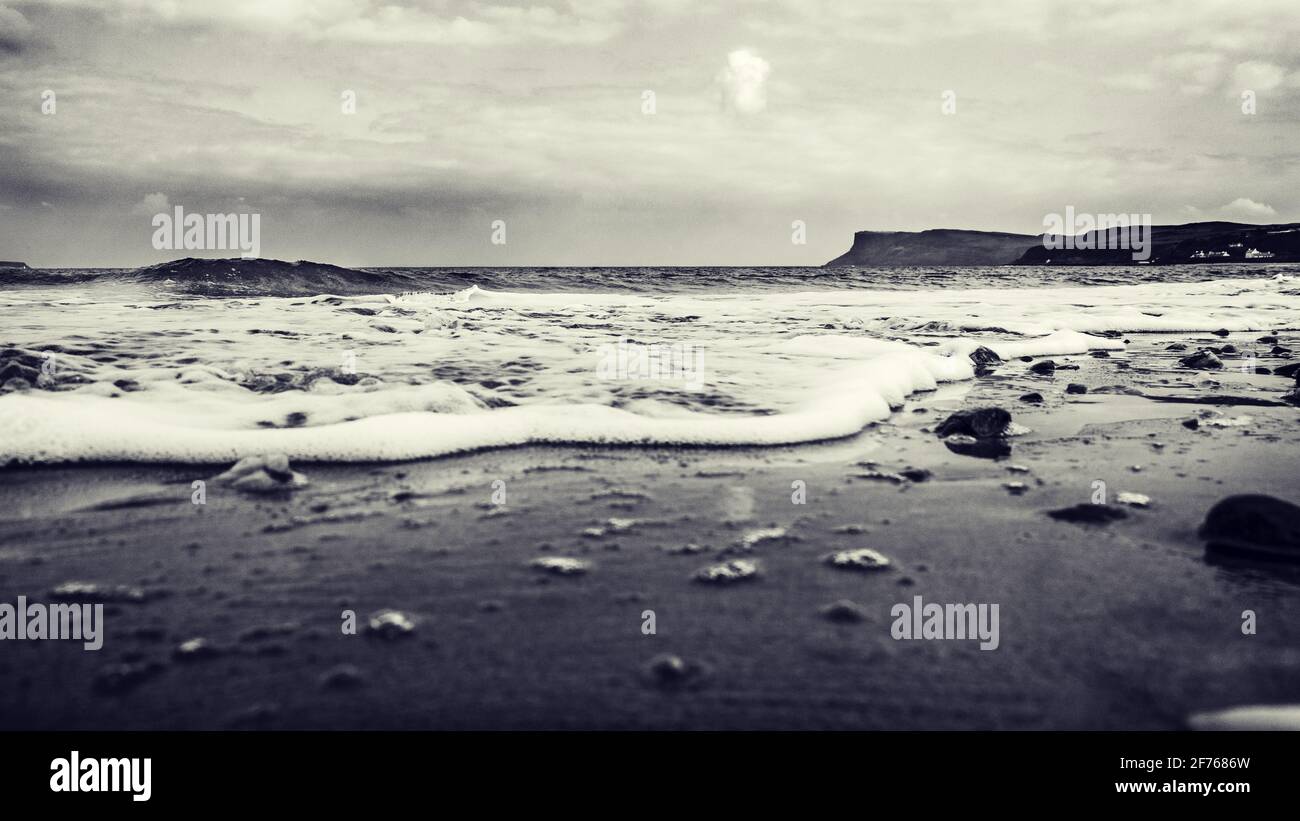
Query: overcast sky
[{"x": 765, "y": 112}]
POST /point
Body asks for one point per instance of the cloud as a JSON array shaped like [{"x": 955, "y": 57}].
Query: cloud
[
  {"x": 1247, "y": 209},
  {"x": 155, "y": 203},
  {"x": 1258, "y": 76},
  {"x": 15, "y": 31},
  {"x": 446, "y": 22},
  {"x": 1242, "y": 209},
  {"x": 744, "y": 81}
]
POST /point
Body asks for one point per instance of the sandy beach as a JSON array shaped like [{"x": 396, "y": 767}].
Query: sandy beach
[{"x": 1119, "y": 626}]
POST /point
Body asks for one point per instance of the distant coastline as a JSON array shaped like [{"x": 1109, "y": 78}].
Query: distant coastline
[{"x": 1192, "y": 243}]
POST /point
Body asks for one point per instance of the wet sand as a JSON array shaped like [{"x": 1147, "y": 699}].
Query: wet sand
[{"x": 1120, "y": 626}]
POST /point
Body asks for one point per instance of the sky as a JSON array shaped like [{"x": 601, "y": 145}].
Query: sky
[{"x": 650, "y": 132}]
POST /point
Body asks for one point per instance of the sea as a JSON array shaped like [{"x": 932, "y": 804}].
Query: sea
[{"x": 111, "y": 365}]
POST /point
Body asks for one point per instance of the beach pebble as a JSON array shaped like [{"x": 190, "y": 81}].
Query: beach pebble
[
  {"x": 561, "y": 565},
  {"x": 116, "y": 594},
  {"x": 1291, "y": 371},
  {"x": 1202, "y": 360},
  {"x": 1177, "y": 346},
  {"x": 853, "y": 529},
  {"x": 863, "y": 558},
  {"x": 980, "y": 422},
  {"x": 1043, "y": 368},
  {"x": 1222, "y": 332},
  {"x": 390, "y": 624},
  {"x": 686, "y": 549},
  {"x": 984, "y": 359},
  {"x": 1133, "y": 499},
  {"x": 1254, "y": 524},
  {"x": 843, "y": 611},
  {"x": 985, "y": 356},
  {"x": 736, "y": 570},
  {"x": 1075, "y": 387},
  {"x": 1087, "y": 514},
  {"x": 263, "y": 474},
  {"x": 1191, "y": 424},
  {"x": 342, "y": 677},
  {"x": 1033, "y": 398},
  {"x": 1267, "y": 339},
  {"x": 195, "y": 649},
  {"x": 992, "y": 448},
  {"x": 1261, "y": 717},
  {"x": 670, "y": 672}
]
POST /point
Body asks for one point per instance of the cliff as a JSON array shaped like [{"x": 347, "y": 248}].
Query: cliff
[{"x": 937, "y": 246}]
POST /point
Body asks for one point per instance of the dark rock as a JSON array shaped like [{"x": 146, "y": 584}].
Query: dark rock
[
  {"x": 342, "y": 677},
  {"x": 669, "y": 672},
  {"x": 1291, "y": 371},
  {"x": 1262, "y": 371},
  {"x": 1228, "y": 349},
  {"x": 981, "y": 422},
  {"x": 991, "y": 448},
  {"x": 1191, "y": 424},
  {"x": 1292, "y": 397},
  {"x": 916, "y": 474},
  {"x": 1100, "y": 354},
  {"x": 1043, "y": 368},
  {"x": 1088, "y": 514},
  {"x": 1034, "y": 398},
  {"x": 1278, "y": 350},
  {"x": 1254, "y": 524},
  {"x": 1202, "y": 360},
  {"x": 1177, "y": 346},
  {"x": 843, "y": 611},
  {"x": 1268, "y": 339},
  {"x": 1075, "y": 387},
  {"x": 1222, "y": 332},
  {"x": 984, "y": 358}
]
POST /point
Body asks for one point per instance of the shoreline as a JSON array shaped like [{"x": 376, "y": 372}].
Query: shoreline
[{"x": 1126, "y": 625}]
